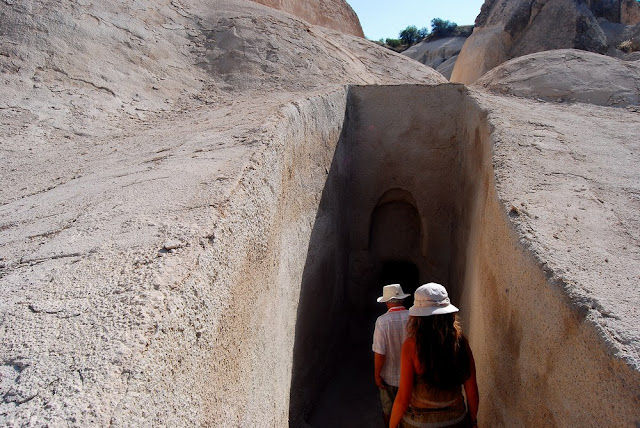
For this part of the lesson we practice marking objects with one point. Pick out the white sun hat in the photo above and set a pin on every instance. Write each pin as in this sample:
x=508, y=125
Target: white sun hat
x=431, y=299
x=393, y=291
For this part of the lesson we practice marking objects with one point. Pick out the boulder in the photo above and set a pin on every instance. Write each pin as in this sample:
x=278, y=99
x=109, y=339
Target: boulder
x=335, y=14
x=485, y=49
x=507, y=30
x=567, y=75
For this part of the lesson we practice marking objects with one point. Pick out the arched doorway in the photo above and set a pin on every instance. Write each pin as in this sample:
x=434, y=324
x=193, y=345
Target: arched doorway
x=396, y=242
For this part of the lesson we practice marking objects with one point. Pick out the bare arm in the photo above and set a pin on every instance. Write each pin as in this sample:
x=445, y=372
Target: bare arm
x=378, y=363
x=471, y=388
x=403, y=398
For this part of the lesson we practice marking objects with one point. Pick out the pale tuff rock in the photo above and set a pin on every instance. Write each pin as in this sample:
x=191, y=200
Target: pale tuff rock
x=334, y=14
x=167, y=174
x=506, y=30
x=137, y=181
x=567, y=75
x=438, y=54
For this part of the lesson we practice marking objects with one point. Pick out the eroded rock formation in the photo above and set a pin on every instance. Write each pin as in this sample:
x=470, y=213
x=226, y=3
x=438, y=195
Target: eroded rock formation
x=567, y=75
x=335, y=14
x=617, y=11
x=506, y=30
x=439, y=54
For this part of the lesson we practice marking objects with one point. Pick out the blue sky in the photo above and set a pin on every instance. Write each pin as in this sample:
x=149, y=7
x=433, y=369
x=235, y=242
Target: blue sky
x=382, y=19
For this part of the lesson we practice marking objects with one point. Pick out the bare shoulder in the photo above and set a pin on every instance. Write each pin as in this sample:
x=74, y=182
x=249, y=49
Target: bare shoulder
x=410, y=354
x=409, y=344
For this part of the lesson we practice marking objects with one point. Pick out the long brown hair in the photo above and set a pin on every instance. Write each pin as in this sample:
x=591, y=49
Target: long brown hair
x=441, y=348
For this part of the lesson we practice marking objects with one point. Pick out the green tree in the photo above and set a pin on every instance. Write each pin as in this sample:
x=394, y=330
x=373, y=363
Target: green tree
x=442, y=28
x=394, y=43
x=409, y=35
x=424, y=32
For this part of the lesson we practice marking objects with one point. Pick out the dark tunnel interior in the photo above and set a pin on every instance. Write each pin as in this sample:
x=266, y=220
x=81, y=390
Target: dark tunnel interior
x=400, y=272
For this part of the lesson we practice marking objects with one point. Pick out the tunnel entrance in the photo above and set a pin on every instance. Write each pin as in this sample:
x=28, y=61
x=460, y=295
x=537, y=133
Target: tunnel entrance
x=394, y=210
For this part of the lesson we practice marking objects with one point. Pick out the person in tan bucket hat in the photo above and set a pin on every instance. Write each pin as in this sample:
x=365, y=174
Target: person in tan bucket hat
x=436, y=363
x=388, y=336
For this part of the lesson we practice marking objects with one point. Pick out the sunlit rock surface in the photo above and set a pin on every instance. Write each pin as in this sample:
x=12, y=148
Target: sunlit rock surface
x=169, y=208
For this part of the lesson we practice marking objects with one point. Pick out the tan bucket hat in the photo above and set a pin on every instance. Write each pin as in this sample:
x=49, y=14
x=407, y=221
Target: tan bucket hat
x=393, y=291
x=431, y=299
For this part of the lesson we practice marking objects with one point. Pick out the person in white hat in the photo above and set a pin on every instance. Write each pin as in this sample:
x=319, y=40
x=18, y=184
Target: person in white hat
x=388, y=336
x=436, y=363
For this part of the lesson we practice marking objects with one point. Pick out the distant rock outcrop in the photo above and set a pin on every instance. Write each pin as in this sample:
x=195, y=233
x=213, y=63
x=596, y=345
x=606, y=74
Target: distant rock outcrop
x=567, y=75
x=439, y=54
x=334, y=14
x=630, y=12
x=506, y=30
x=619, y=11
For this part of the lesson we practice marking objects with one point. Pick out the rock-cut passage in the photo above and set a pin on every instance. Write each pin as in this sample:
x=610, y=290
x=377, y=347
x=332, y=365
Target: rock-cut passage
x=396, y=207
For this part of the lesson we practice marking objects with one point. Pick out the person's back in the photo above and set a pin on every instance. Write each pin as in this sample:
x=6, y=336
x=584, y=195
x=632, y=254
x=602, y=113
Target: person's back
x=389, y=335
x=437, y=363
x=430, y=404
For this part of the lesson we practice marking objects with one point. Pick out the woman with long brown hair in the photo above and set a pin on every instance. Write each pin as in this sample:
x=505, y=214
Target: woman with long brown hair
x=436, y=363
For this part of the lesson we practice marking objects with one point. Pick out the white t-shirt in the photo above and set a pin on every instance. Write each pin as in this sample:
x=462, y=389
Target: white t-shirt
x=388, y=337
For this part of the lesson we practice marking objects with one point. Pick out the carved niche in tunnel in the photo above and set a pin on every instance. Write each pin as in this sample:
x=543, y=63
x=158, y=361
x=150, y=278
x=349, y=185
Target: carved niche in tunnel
x=396, y=239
